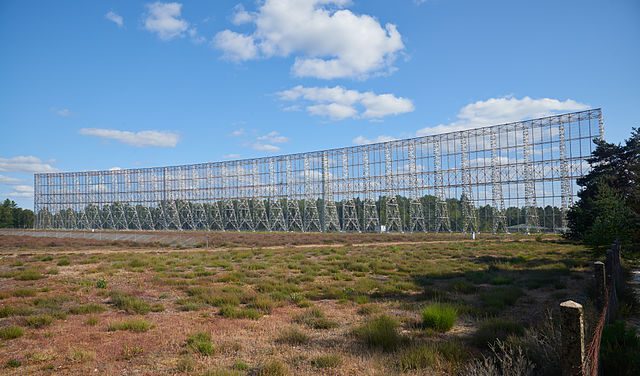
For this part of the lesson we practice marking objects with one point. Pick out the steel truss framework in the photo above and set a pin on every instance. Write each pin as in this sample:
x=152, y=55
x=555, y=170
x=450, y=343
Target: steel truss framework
x=510, y=177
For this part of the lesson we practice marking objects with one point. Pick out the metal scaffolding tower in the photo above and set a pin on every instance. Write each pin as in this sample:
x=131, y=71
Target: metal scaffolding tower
x=394, y=222
x=443, y=223
x=497, y=199
x=523, y=175
x=371, y=222
x=350, y=221
x=469, y=213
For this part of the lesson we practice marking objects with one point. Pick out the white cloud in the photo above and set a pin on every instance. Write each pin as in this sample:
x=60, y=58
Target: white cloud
x=139, y=139
x=27, y=163
x=265, y=147
x=115, y=18
x=164, y=19
x=241, y=16
x=115, y=168
x=496, y=111
x=21, y=191
x=327, y=40
x=339, y=103
x=238, y=132
x=361, y=140
x=8, y=180
x=236, y=47
x=64, y=112
x=274, y=138
x=195, y=36
x=231, y=156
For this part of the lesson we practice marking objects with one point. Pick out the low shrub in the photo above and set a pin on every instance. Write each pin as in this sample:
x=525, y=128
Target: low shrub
x=24, y=293
x=272, y=368
x=101, y=284
x=64, y=262
x=7, y=311
x=91, y=321
x=498, y=298
x=417, y=357
x=620, y=350
x=130, y=352
x=186, y=364
x=13, y=363
x=239, y=313
x=201, y=343
x=28, y=275
x=382, y=333
x=11, y=332
x=133, y=325
x=440, y=317
x=78, y=355
x=293, y=336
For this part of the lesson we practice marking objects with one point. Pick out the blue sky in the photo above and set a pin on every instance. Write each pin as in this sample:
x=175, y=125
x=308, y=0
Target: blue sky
x=124, y=84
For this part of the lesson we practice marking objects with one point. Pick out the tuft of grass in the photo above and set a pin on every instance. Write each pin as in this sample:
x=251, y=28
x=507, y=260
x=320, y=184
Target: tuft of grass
x=501, y=280
x=11, y=332
x=91, y=321
x=38, y=321
x=368, y=309
x=24, y=293
x=239, y=313
x=78, y=355
x=28, y=275
x=133, y=325
x=263, y=304
x=417, y=357
x=201, y=343
x=7, y=311
x=129, y=352
x=84, y=309
x=316, y=319
x=186, y=364
x=293, y=336
x=272, y=368
x=326, y=361
x=382, y=333
x=439, y=316
x=64, y=262
x=13, y=363
x=130, y=304
x=493, y=329
x=240, y=365
x=463, y=287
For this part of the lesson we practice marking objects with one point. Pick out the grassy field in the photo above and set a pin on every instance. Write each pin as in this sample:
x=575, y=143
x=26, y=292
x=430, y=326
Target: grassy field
x=427, y=307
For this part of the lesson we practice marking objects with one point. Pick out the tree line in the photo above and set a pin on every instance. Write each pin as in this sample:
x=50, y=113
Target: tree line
x=11, y=216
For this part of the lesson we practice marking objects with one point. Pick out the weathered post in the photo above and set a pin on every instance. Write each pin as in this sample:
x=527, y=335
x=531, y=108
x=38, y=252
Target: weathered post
x=600, y=279
x=573, y=343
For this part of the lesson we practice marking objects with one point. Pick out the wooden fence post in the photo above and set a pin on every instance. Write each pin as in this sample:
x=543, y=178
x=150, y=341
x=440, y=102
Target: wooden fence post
x=573, y=342
x=600, y=279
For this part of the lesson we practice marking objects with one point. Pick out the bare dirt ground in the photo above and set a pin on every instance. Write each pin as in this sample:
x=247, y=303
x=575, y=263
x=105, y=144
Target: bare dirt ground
x=66, y=296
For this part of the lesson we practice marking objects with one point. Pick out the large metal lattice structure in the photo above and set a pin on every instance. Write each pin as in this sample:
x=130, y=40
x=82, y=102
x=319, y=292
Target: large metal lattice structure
x=511, y=177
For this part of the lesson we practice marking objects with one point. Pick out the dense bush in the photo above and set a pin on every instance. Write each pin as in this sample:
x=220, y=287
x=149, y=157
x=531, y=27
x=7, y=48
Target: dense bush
x=440, y=317
x=381, y=333
x=620, y=350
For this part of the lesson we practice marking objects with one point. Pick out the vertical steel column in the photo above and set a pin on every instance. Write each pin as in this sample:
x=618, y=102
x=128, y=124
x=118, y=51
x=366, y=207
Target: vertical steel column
x=469, y=213
x=260, y=219
x=231, y=222
x=416, y=212
x=294, y=218
x=276, y=214
x=394, y=222
x=443, y=223
x=349, y=211
x=497, y=199
x=370, y=212
x=531, y=208
x=311, y=218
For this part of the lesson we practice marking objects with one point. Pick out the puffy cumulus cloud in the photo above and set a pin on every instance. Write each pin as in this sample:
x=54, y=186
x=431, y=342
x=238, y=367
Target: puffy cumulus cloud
x=361, y=140
x=26, y=163
x=115, y=18
x=139, y=139
x=339, y=103
x=165, y=20
x=503, y=110
x=267, y=142
x=327, y=40
x=236, y=47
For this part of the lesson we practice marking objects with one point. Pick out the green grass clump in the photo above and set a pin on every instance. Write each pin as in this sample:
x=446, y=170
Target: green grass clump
x=619, y=350
x=272, y=368
x=201, y=343
x=24, y=293
x=326, y=361
x=64, y=262
x=28, y=275
x=240, y=365
x=316, y=319
x=129, y=303
x=463, y=287
x=498, y=298
x=11, y=332
x=417, y=357
x=38, y=321
x=381, y=333
x=79, y=355
x=130, y=352
x=263, y=304
x=239, y=313
x=186, y=364
x=368, y=309
x=501, y=280
x=493, y=329
x=86, y=309
x=133, y=325
x=439, y=316
x=91, y=321
x=7, y=311
x=293, y=336
x=101, y=284
x=13, y=363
